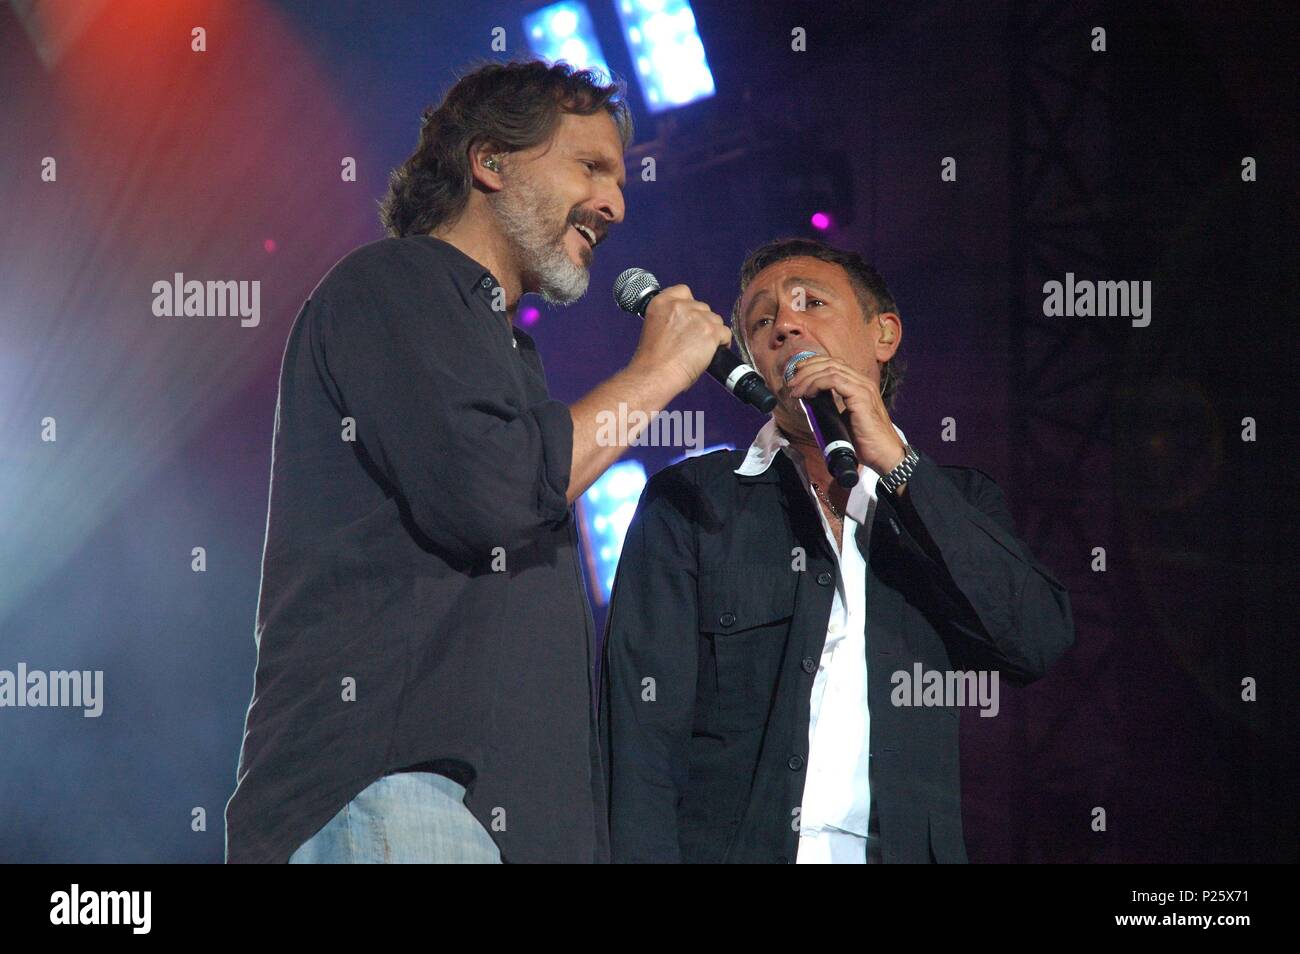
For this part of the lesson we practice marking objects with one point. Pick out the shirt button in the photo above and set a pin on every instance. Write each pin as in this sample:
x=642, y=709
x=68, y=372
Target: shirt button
x=485, y=281
x=727, y=619
x=809, y=664
x=782, y=860
x=795, y=763
x=824, y=578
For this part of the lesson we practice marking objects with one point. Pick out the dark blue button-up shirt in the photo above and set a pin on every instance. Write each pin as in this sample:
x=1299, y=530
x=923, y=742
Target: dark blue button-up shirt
x=422, y=601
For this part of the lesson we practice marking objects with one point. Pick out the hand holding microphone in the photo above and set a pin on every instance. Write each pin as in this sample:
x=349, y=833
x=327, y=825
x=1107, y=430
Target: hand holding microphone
x=828, y=428
x=864, y=424
x=685, y=337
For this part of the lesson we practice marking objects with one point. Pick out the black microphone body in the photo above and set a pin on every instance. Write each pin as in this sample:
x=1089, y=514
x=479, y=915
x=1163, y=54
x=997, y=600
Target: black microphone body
x=635, y=288
x=828, y=427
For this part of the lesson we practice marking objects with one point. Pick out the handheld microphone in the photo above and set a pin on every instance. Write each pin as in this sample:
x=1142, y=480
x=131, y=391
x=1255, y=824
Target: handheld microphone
x=828, y=427
x=635, y=288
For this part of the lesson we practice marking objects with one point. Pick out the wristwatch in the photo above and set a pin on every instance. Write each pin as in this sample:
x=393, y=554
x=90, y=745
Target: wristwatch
x=900, y=474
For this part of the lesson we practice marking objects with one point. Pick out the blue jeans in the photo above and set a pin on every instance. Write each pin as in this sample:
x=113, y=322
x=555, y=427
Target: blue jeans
x=403, y=818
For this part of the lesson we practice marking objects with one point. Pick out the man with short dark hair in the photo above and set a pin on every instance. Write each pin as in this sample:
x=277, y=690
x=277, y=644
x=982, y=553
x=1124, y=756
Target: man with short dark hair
x=423, y=687
x=762, y=614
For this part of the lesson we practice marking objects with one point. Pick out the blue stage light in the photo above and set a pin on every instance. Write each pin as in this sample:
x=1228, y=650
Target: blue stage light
x=605, y=511
x=564, y=31
x=669, y=55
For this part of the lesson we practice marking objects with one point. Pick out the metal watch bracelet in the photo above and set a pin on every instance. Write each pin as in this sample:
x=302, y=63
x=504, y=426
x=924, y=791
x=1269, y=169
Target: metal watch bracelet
x=900, y=474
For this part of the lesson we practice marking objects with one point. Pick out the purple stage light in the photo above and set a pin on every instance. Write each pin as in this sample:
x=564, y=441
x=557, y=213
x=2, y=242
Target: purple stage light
x=820, y=221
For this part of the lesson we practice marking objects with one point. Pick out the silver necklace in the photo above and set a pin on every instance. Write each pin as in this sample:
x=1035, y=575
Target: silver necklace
x=835, y=511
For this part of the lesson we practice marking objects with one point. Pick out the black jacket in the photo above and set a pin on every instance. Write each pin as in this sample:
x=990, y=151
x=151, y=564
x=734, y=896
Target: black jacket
x=714, y=634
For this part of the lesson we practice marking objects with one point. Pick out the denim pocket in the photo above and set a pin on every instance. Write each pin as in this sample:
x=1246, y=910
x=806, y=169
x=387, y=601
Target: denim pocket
x=745, y=613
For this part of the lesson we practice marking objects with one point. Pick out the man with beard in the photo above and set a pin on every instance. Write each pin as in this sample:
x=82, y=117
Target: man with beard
x=425, y=646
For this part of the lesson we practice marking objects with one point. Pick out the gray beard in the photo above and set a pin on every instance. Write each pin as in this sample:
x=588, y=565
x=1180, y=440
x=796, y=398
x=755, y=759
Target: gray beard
x=544, y=263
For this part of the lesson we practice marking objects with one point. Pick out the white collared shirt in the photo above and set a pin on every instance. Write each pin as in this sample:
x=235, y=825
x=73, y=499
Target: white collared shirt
x=836, y=810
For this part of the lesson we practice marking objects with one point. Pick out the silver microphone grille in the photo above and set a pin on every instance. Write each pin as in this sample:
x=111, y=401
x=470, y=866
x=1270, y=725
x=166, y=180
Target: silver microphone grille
x=794, y=362
x=631, y=287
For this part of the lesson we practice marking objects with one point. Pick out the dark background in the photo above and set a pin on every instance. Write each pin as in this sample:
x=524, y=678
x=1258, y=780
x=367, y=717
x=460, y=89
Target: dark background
x=1122, y=165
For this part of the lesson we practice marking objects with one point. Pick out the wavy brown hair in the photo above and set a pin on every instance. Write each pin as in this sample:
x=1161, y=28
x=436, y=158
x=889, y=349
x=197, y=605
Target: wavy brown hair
x=872, y=294
x=513, y=106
